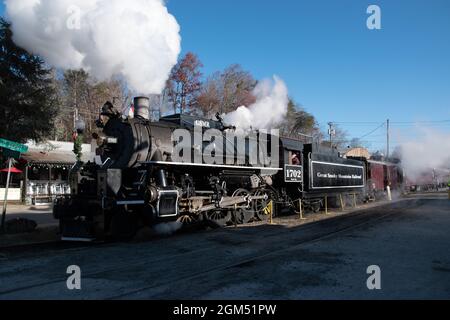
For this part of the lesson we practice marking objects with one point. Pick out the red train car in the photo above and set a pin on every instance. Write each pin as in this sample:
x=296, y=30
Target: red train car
x=380, y=175
x=375, y=176
x=394, y=177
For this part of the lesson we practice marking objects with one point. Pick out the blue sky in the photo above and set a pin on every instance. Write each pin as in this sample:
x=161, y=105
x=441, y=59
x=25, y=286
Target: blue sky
x=333, y=65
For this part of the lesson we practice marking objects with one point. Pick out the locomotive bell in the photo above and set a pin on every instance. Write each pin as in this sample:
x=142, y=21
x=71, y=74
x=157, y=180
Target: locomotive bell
x=142, y=108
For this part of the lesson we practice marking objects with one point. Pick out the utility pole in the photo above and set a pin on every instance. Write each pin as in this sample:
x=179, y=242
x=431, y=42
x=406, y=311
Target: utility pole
x=5, y=203
x=388, y=140
x=75, y=118
x=330, y=132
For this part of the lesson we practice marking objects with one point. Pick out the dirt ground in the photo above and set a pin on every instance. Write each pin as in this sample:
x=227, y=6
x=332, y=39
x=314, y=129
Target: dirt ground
x=47, y=226
x=41, y=214
x=327, y=259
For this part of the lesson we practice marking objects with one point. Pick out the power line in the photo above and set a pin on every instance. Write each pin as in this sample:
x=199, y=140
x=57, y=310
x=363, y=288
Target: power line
x=423, y=125
x=373, y=131
x=420, y=122
x=355, y=122
x=369, y=123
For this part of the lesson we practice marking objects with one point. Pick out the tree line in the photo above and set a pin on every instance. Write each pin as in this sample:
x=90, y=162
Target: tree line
x=40, y=103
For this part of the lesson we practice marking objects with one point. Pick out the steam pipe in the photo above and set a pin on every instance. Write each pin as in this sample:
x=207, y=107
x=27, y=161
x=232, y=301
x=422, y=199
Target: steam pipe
x=161, y=178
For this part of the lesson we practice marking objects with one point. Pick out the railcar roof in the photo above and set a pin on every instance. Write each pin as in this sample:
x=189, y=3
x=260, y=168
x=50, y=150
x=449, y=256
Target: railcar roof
x=383, y=163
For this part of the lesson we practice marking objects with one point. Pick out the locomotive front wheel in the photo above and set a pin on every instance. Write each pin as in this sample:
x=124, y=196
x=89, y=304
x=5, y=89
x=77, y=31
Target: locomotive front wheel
x=188, y=219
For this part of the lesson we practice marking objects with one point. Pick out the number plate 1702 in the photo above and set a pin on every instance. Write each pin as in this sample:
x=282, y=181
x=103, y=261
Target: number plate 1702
x=293, y=174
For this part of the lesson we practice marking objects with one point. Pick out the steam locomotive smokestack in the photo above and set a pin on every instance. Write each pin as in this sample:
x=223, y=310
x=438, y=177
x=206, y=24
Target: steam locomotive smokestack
x=142, y=108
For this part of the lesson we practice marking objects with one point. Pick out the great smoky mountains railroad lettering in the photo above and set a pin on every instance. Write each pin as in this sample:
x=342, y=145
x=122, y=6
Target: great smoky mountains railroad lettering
x=329, y=175
x=338, y=176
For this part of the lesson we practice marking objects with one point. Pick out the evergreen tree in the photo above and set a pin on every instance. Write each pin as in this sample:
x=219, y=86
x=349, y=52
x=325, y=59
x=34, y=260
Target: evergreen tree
x=298, y=123
x=28, y=100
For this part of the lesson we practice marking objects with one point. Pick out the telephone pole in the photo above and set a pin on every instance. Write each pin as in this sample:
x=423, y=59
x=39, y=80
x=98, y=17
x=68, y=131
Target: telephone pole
x=388, y=139
x=75, y=118
x=330, y=132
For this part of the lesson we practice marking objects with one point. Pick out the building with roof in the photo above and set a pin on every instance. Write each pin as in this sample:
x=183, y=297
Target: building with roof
x=45, y=172
x=362, y=153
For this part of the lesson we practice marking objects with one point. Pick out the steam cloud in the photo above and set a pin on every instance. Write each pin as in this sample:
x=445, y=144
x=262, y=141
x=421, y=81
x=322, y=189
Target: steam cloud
x=167, y=229
x=136, y=39
x=431, y=151
x=269, y=109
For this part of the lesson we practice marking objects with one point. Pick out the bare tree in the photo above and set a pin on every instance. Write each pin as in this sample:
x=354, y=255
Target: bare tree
x=184, y=84
x=225, y=91
x=357, y=143
x=82, y=96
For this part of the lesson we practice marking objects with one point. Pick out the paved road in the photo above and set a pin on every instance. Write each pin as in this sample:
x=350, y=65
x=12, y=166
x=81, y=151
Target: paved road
x=41, y=215
x=408, y=240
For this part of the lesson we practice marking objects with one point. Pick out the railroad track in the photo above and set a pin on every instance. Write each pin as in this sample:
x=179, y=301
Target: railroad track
x=255, y=258
x=41, y=247
x=328, y=227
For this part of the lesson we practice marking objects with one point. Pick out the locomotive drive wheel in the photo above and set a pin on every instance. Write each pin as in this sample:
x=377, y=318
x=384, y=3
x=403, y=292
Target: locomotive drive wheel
x=260, y=206
x=243, y=215
x=218, y=218
x=316, y=207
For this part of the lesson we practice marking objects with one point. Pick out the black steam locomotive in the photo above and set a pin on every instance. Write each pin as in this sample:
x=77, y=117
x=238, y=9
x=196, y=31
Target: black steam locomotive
x=142, y=177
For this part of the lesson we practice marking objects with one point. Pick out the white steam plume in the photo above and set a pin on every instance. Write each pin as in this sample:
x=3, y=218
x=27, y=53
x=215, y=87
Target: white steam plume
x=167, y=229
x=430, y=151
x=136, y=39
x=269, y=109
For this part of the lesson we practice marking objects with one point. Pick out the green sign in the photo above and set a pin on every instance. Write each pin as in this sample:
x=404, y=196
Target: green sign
x=13, y=146
x=11, y=154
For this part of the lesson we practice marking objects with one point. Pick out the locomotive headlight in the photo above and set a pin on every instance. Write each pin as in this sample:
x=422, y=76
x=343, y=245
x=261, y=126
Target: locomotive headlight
x=80, y=126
